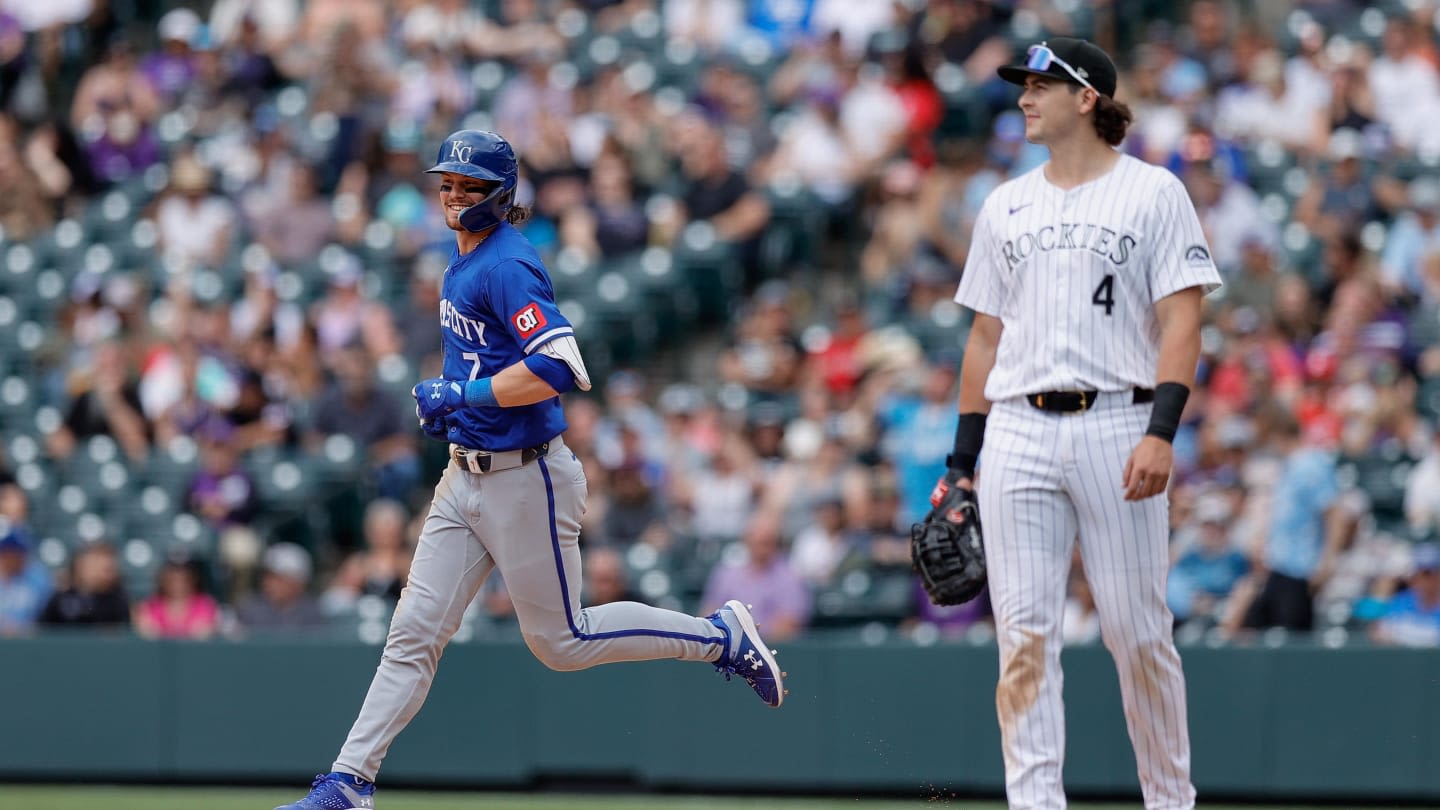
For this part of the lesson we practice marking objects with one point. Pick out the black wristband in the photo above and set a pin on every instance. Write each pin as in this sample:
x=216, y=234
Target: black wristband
x=969, y=435
x=1169, y=404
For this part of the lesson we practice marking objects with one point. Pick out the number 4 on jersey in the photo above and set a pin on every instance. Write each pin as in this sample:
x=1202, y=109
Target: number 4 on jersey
x=1105, y=293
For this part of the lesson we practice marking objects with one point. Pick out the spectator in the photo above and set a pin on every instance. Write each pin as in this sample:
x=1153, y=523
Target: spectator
x=179, y=608
x=814, y=151
x=172, y=67
x=94, y=596
x=715, y=193
x=759, y=575
x=222, y=492
x=195, y=225
x=1412, y=617
x=107, y=403
x=614, y=223
x=606, y=580
x=245, y=64
x=1308, y=528
x=1405, y=84
x=25, y=209
x=345, y=315
x=821, y=548
x=260, y=417
x=711, y=25
x=24, y=583
x=283, y=604
x=114, y=111
x=635, y=513
x=765, y=356
x=381, y=568
x=910, y=78
x=1422, y=493
x=381, y=427
x=884, y=537
x=1342, y=200
x=1349, y=108
x=812, y=476
x=415, y=322
x=911, y=421
x=1415, y=233
x=1229, y=210
x=1206, y=572
x=274, y=20
x=720, y=497
x=294, y=228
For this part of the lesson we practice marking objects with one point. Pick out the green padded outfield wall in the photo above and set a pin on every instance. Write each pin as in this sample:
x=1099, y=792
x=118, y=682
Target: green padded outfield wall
x=1294, y=722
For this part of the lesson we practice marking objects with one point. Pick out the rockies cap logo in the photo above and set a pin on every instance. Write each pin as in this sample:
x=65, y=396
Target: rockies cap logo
x=460, y=151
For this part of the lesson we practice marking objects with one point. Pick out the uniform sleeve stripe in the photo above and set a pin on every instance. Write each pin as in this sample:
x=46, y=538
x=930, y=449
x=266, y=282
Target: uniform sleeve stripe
x=546, y=337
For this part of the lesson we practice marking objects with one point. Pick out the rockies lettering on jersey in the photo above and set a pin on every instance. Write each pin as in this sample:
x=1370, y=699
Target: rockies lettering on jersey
x=1074, y=274
x=1094, y=238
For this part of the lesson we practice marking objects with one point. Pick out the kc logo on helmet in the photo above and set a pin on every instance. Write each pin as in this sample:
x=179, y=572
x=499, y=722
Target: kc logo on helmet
x=528, y=320
x=461, y=151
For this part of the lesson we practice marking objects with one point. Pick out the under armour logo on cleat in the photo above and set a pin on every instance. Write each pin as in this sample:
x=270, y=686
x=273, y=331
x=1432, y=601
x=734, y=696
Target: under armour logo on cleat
x=755, y=663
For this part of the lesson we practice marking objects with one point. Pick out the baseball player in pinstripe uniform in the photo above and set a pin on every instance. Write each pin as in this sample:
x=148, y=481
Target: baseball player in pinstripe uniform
x=1086, y=276
x=513, y=495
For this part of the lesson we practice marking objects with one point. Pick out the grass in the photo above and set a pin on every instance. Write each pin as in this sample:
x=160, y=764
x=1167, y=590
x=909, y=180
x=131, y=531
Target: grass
x=28, y=797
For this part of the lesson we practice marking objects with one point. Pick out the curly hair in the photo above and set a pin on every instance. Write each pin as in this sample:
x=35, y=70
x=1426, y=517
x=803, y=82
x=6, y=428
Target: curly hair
x=1112, y=118
x=518, y=214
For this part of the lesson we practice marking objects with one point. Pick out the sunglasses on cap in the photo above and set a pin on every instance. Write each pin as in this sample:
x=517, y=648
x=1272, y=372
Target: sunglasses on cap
x=1040, y=58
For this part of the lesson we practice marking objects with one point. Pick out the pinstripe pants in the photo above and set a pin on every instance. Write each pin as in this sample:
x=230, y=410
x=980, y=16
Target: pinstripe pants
x=1044, y=479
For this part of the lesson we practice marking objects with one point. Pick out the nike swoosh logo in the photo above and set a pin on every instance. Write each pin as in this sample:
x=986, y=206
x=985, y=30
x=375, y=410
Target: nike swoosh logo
x=1018, y=207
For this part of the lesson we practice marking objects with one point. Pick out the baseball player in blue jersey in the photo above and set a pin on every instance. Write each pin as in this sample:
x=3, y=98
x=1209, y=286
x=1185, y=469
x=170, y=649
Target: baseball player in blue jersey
x=512, y=495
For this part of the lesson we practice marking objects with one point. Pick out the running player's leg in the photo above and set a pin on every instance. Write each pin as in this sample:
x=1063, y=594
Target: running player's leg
x=529, y=517
x=1029, y=529
x=1125, y=549
x=449, y=566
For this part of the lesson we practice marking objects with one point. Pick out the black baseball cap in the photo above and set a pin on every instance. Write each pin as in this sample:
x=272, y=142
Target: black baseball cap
x=1050, y=58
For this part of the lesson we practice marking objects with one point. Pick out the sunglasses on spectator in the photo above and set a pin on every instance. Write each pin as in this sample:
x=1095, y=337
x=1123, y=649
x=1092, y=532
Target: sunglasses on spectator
x=1040, y=57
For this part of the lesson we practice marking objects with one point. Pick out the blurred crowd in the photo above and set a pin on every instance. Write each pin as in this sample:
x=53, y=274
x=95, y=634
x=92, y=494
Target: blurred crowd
x=221, y=267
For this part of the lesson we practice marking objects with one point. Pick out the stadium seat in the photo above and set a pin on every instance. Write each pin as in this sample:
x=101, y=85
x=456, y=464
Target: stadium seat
x=172, y=467
x=20, y=264
x=1427, y=398
x=660, y=292
x=710, y=269
x=863, y=596
x=1381, y=475
x=791, y=240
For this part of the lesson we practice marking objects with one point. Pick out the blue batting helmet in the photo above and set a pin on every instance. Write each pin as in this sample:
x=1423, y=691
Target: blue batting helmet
x=483, y=156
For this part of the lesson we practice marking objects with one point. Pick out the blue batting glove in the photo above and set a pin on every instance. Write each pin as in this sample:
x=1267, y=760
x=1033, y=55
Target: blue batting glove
x=438, y=396
x=437, y=428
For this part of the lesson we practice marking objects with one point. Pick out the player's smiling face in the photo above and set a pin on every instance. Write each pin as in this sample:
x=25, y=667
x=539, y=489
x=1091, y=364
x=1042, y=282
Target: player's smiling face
x=1051, y=109
x=458, y=192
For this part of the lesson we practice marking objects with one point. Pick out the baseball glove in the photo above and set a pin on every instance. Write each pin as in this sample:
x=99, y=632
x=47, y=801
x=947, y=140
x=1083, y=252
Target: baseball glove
x=947, y=547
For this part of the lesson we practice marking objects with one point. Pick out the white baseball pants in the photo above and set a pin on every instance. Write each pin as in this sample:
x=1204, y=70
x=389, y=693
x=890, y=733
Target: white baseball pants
x=1044, y=479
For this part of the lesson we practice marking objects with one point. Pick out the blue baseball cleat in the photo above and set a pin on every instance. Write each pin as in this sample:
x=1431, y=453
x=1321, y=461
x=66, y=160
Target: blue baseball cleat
x=336, y=791
x=747, y=655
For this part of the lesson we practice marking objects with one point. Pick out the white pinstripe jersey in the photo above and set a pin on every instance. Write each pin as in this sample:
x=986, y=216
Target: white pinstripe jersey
x=1074, y=275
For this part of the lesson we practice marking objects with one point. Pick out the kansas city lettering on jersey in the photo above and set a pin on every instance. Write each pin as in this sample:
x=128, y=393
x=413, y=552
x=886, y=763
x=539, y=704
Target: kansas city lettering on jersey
x=1097, y=239
x=467, y=328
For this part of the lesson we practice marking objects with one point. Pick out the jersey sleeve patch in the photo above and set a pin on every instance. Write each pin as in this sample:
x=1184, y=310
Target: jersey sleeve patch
x=528, y=320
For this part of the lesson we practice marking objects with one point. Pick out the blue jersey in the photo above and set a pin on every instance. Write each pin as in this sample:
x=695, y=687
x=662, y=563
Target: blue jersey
x=496, y=308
